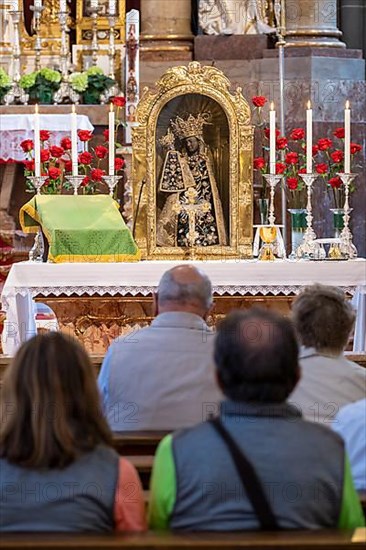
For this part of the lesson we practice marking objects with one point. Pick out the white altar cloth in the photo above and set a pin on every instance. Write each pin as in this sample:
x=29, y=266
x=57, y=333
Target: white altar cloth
x=27, y=280
x=16, y=128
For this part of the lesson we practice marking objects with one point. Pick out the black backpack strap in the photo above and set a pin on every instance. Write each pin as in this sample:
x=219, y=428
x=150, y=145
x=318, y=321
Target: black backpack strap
x=249, y=479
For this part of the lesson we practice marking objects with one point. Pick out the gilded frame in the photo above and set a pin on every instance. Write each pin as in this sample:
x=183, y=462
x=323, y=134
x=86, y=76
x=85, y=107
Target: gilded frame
x=211, y=82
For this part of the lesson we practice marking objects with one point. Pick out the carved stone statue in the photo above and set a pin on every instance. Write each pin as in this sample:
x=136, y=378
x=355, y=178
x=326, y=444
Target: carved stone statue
x=192, y=212
x=235, y=16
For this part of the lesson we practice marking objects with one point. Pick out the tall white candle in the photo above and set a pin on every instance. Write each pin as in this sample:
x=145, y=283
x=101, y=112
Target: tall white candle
x=112, y=7
x=347, y=139
x=62, y=6
x=74, y=142
x=37, y=142
x=111, y=141
x=309, y=139
x=272, y=140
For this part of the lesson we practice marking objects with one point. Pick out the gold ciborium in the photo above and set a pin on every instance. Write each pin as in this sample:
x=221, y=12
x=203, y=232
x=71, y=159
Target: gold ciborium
x=268, y=234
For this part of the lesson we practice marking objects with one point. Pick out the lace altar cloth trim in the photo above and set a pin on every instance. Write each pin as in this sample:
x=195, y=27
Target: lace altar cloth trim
x=241, y=290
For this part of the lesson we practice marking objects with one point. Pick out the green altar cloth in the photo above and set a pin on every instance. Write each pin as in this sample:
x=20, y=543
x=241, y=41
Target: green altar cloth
x=80, y=228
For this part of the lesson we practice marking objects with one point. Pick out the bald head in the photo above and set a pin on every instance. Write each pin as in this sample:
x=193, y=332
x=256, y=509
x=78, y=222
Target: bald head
x=185, y=288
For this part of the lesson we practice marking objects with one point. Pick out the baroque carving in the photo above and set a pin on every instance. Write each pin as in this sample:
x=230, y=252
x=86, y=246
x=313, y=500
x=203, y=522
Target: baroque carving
x=219, y=166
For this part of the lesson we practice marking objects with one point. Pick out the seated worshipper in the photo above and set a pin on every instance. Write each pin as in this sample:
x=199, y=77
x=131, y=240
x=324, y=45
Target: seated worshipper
x=259, y=464
x=350, y=423
x=58, y=471
x=324, y=319
x=162, y=376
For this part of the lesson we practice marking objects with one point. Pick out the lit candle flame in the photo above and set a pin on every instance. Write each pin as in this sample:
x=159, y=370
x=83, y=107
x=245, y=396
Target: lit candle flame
x=272, y=106
x=36, y=109
x=73, y=108
x=111, y=107
x=309, y=104
x=347, y=104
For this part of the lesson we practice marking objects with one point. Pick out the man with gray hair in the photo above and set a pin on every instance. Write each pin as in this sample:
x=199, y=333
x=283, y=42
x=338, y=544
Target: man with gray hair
x=324, y=319
x=162, y=376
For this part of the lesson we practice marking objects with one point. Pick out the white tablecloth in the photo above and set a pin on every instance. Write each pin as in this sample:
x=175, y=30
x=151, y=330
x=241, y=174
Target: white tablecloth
x=16, y=128
x=27, y=280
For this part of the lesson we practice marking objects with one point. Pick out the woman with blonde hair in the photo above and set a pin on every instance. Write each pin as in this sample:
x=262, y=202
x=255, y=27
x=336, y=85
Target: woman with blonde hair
x=58, y=471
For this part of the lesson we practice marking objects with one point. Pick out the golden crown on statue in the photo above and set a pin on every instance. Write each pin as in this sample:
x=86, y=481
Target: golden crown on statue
x=192, y=126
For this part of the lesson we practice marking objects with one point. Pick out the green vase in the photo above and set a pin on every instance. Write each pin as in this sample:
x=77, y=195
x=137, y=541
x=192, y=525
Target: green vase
x=298, y=227
x=338, y=221
x=263, y=205
x=46, y=97
x=91, y=97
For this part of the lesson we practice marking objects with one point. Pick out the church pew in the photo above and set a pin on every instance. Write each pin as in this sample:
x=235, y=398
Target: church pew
x=301, y=540
x=137, y=443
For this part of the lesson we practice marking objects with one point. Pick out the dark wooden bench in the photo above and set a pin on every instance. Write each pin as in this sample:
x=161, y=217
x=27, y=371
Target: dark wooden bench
x=323, y=540
x=137, y=443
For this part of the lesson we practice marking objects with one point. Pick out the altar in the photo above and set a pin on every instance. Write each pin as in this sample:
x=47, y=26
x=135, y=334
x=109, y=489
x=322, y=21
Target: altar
x=134, y=283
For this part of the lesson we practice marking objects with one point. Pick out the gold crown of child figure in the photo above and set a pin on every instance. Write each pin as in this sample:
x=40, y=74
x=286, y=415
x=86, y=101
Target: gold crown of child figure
x=192, y=126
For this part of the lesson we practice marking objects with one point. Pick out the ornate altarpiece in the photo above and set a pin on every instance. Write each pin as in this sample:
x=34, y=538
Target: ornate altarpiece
x=186, y=94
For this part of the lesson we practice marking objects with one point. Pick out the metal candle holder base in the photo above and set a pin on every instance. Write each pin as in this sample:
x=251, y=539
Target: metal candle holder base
x=348, y=249
x=310, y=249
x=75, y=181
x=37, y=182
x=111, y=181
x=273, y=180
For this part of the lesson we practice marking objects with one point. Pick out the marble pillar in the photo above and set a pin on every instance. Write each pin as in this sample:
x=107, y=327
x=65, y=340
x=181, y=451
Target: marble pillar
x=166, y=30
x=353, y=23
x=312, y=23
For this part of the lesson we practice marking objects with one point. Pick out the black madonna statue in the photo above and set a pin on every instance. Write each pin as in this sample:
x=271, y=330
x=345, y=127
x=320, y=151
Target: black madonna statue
x=192, y=213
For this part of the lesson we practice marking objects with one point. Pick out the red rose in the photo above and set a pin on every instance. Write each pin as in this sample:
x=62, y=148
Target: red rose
x=259, y=101
x=281, y=143
x=339, y=133
x=321, y=168
x=259, y=163
x=44, y=135
x=302, y=171
x=297, y=133
x=119, y=163
x=56, y=151
x=85, y=158
x=54, y=173
x=96, y=174
x=85, y=181
x=67, y=165
x=106, y=134
x=119, y=101
x=66, y=143
x=101, y=151
x=280, y=167
x=337, y=156
x=45, y=155
x=315, y=150
x=335, y=182
x=292, y=183
x=267, y=132
x=27, y=145
x=29, y=165
x=292, y=158
x=85, y=135
x=324, y=144
x=355, y=148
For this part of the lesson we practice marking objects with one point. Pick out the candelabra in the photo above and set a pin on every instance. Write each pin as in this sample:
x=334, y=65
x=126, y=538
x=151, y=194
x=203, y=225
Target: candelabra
x=65, y=91
x=111, y=181
x=75, y=182
x=113, y=91
x=37, y=182
x=94, y=10
x=16, y=92
x=37, y=11
x=272, y=180
x=310, y=248
x=348, y=249
x=268, y=233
